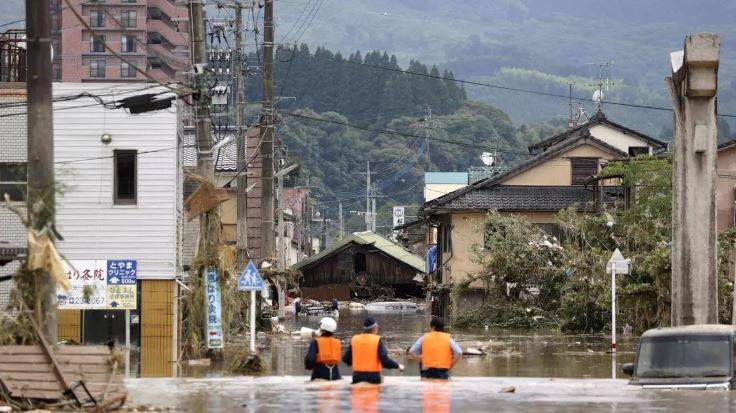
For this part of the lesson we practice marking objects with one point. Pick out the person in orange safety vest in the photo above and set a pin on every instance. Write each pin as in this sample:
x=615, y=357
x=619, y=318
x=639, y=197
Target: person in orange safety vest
x=437, y=351
x=367, y=354
x=323, y=355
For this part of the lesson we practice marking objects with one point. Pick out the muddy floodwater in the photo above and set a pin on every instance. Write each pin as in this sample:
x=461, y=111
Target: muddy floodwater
x=548, y=371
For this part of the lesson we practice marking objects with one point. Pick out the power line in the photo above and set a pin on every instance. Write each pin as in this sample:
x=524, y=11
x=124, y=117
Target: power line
x=501, y=87
x=137, y=153
x=59, y=10
x=396, y=133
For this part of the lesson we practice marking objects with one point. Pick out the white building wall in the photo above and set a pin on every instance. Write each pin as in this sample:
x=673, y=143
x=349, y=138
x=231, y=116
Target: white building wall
x=92, y=226
x=617, y=138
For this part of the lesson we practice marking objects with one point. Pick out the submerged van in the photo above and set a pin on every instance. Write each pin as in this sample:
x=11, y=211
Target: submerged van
x=688, y=357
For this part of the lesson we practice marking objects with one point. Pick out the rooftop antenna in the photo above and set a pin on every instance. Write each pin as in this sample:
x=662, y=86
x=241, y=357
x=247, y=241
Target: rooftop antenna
x=570, y=122
x=598, y=94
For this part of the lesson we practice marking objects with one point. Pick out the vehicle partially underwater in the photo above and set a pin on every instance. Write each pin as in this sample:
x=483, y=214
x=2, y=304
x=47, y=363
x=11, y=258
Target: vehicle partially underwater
x=687, y=357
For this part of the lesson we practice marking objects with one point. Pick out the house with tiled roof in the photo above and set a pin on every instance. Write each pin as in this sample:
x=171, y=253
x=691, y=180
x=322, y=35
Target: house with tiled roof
x=557, y=176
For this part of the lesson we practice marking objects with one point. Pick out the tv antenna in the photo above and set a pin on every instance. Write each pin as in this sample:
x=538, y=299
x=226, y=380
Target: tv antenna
x=577, y=111
x=598, y=95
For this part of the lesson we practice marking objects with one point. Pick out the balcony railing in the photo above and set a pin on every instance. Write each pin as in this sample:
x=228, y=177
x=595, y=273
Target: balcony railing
x=13, y=56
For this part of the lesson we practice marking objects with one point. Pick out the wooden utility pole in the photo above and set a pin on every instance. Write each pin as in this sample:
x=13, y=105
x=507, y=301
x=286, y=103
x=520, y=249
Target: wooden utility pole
x=41, y=197
x=242, y=181
x=692, y=87
x=267, y=133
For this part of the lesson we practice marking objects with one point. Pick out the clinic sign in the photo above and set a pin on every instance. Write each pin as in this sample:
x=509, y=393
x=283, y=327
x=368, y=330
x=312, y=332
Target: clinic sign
x=100, y=285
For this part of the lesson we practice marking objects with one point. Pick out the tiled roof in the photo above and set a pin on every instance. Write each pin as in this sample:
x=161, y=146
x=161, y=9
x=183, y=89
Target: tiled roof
x=224, y=157
x=582, y=137
x=522, y=198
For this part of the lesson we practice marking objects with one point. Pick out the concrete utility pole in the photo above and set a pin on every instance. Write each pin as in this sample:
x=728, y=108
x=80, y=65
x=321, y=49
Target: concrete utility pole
x=373, y=214
x=342, y=221
x=241, y=243
x=367, y=195
x=692, y=88
x=267, y=132
x=41, y=197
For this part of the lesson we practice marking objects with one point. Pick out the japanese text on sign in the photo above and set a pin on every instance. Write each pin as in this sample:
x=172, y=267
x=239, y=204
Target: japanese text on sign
x=100, y=285
x=213, y=311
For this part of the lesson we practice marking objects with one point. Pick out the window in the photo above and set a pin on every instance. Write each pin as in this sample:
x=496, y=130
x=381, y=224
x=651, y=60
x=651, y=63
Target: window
x=125, y=177
x=97, y=18
x=445, y=238
x=13, y=181
x=96, y=44
x=638, y=150
x=127, y=43
x=97, y=68
x=128, y=18
x=127, y=70
x=582, y=169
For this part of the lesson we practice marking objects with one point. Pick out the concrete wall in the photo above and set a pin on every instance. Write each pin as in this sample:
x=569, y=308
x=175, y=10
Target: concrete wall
x=467, y=231
x=432, y=191
x=558, y=170
x=617, y=138
x=726, y=187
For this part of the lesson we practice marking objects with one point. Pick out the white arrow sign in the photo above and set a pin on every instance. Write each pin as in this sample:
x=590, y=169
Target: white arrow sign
x=617, y=263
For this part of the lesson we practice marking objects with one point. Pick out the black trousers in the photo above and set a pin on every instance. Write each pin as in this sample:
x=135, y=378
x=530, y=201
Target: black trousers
x=432, y=373
x=324, y=372
x=365, y=377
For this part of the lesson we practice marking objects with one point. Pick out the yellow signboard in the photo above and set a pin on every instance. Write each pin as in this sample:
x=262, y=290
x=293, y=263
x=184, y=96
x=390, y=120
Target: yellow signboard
x=122, y=297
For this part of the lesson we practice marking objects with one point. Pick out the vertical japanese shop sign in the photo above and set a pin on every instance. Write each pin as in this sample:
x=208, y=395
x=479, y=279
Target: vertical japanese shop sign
x=214, y=311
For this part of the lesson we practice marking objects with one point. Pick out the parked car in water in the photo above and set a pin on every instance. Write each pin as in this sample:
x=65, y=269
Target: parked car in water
x=687, y=357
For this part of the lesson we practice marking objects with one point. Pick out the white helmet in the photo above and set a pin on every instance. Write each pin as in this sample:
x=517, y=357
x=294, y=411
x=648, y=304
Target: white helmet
x=328, y=324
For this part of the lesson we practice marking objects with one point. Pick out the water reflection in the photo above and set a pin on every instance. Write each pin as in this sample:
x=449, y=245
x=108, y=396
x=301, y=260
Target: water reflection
x=364, y=398
x=512, y=353
x=436, y=397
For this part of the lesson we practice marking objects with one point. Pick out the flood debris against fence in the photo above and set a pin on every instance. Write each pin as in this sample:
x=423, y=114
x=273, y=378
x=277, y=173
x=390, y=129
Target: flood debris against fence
x=64, y=376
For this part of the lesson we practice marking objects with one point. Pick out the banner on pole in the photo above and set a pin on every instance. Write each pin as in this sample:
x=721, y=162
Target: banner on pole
x=215, y=337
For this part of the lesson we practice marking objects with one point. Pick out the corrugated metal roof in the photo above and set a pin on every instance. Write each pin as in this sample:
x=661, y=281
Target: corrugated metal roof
x=385, y=245
x=446, y=178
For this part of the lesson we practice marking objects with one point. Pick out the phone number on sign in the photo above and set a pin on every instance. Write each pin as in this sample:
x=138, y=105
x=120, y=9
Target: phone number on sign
x=82, y=301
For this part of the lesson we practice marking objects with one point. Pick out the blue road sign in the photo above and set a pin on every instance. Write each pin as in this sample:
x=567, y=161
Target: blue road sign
x=250, y=279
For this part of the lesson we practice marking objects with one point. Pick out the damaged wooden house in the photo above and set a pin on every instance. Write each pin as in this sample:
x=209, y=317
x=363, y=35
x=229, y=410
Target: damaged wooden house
x=364, y=265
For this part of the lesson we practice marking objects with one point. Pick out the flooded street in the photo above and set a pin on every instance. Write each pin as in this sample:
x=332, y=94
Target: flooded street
x=514, y=353
x=548, y=371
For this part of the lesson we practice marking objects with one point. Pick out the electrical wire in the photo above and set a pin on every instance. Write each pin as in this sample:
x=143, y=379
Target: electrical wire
x=502, y=87
x=115, y=54
x=405, y=135
x=59, y=10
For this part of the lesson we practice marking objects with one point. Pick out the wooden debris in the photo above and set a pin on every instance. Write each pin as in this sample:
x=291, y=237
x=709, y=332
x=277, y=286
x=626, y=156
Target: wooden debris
x=205, y=198
x=80, y=374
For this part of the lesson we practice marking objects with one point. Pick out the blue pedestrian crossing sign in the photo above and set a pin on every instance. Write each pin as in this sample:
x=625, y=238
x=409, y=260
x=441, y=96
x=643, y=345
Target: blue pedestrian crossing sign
x=250, y=279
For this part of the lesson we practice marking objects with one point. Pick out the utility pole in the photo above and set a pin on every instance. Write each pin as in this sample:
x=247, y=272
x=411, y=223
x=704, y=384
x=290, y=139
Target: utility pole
x=367, y=195
x=428, y=124
x=41, y=196
x=241, y=244
x=342, y=221
x=692, y=88
x=267, y=132
x=324, y=230
x=373, y=214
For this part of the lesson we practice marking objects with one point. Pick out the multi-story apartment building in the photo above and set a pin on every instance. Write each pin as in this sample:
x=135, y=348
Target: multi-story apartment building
x=151, y=34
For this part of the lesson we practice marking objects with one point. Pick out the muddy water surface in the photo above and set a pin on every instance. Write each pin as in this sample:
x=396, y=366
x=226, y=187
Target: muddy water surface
x=548, y=371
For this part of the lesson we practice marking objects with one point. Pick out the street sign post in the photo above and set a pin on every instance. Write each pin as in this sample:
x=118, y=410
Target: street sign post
x=617, y=264
x=250, y=280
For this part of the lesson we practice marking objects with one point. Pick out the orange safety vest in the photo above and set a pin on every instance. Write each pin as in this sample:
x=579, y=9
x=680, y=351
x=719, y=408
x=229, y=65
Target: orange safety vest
x=365, y=353
x=436, y=352
x=328, y=350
